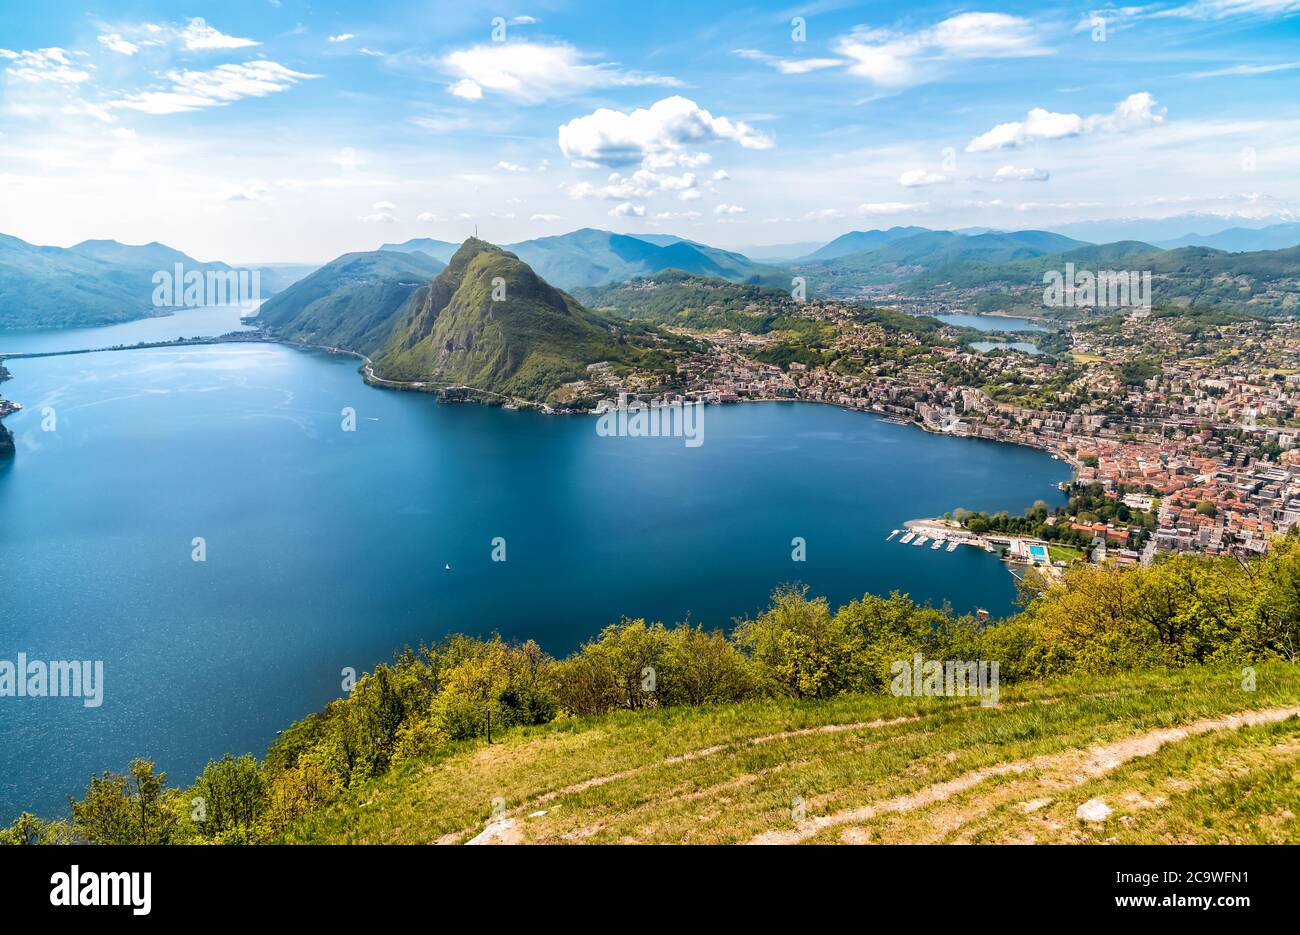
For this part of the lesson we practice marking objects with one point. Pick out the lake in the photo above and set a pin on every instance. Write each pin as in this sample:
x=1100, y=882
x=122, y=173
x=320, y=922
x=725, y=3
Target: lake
x=191, y=323
x=986, y=346
x=327, y=549
x=991, y=322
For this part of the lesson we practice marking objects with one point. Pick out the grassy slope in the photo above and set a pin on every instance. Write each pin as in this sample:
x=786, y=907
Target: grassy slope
x=747, y=764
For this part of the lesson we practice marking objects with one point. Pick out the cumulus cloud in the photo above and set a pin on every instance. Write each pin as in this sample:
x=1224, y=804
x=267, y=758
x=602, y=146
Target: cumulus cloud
x=627, y=209
x=546, y=217
x=728, y=209
x=894, y=59
x=343, y=37
x=533, y=72
x=199, y=36
x=382, y=213
x=115, y=43
x=916, y=178
x=640, y=184
x=193, y=90
x=1134, y=112
x=659, y=135
x=1017, y=174
x=511, y=167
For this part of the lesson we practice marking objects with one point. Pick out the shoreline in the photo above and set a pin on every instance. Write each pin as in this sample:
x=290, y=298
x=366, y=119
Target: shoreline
x=369, y=377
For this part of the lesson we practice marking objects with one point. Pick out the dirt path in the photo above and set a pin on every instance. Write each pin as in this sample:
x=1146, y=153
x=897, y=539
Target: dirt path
x=1078, y=765
x=500, y=834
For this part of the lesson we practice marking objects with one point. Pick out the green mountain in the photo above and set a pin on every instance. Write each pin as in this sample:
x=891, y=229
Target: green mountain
x=857, y=241
x=350, y=302
x=490, y=322
x=904, y=258
x=591, y=257
x=1265, y=281
x=97, y=282
x=676, y=297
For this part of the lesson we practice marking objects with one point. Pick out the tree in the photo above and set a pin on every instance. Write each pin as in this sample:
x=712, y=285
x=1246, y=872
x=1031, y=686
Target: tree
x=125, y=809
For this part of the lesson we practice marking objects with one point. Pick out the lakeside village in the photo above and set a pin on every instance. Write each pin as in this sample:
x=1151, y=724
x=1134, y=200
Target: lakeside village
x=1183, y=437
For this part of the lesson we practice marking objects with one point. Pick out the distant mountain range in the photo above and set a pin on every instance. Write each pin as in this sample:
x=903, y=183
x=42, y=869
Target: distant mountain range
x=1241, y=239
x=1179, y=230
x=96, y=282
x=590, y=257
x=102, y=281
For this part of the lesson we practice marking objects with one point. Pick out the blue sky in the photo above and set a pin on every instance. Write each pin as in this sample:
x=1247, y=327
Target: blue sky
x=265, y=131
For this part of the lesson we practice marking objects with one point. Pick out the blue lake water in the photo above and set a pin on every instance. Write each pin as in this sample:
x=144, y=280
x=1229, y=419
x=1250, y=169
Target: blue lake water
x=985, y=346
x=328, y=548
x=991, y=322
x=188, y=323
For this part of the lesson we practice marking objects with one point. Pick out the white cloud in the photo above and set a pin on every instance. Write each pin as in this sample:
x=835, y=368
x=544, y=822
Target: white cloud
x=192, y=90
x=1015, y=174
x=382, y=213
x=1246, y=70
x=1222, y=9
x=1134, y=112
x=789, y=66
x=53, y=65
x=199, y=36
x=655, y=136
x=916, y=178
x=546, y=217
x=115, y=43
x=725, y=209
x=426, y=216
x=343, y=37
x=511, y=167
x=894, y=59
x=627, y=209
x=891, y=207
x=533, y=72
x=467, y=89
x=825, y=214
x=641, y=184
